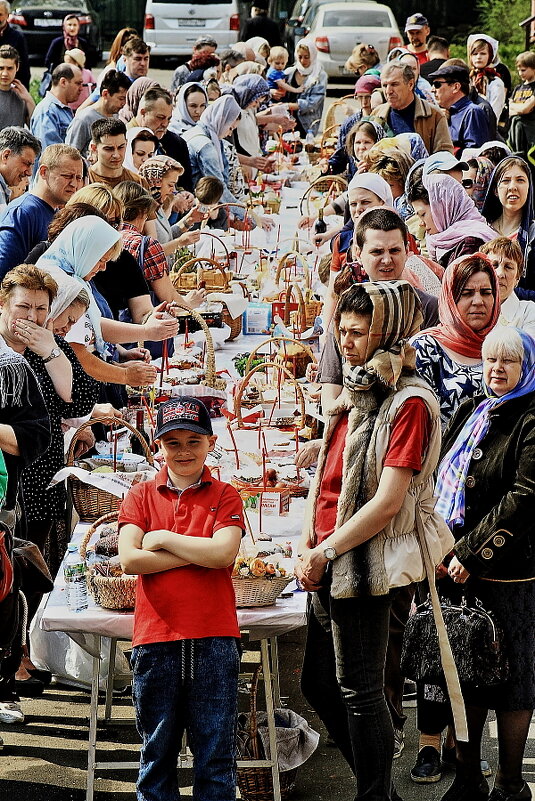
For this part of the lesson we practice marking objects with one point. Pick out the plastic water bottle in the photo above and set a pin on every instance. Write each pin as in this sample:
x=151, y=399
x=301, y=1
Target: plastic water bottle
x=75, y=585
x=309, y=142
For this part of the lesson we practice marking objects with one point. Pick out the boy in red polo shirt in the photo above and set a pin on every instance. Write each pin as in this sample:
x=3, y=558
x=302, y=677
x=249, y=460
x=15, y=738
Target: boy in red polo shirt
x=180, y=533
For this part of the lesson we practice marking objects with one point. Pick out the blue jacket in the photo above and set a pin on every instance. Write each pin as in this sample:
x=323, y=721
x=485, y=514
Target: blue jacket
x=204, y=161
x=468, y=124
x=23, y=223
x=50, y=121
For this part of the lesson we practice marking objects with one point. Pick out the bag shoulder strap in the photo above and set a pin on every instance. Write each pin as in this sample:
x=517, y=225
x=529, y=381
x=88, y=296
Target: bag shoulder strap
x=446, y=655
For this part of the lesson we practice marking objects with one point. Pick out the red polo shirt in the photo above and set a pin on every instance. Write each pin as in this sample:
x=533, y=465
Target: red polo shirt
x=192, y=601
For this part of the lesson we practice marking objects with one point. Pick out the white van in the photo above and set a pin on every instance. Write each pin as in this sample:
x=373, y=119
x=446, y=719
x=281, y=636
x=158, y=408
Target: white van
x=172, y=28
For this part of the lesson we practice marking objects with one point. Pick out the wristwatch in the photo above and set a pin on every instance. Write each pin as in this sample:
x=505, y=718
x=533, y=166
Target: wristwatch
x=330, y=554
x=54, y=353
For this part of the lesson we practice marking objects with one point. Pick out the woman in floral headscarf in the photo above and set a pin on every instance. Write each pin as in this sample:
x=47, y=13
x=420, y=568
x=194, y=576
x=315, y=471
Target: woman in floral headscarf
x=453, y=225
x=379, y=451
x=448, y=356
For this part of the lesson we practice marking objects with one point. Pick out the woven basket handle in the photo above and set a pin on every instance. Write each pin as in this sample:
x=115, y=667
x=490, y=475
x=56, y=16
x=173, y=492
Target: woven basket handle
x=221, y=242
x=277, y=340
x=293, y=254
x=210, y=353
x=108, y=421
x=111, y=516
x=287, y=373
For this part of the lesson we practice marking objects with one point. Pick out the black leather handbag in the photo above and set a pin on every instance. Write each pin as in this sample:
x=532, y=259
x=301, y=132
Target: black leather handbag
x=476, y=643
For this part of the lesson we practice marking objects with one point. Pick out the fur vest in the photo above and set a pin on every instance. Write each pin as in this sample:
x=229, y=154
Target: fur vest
x=392, y=558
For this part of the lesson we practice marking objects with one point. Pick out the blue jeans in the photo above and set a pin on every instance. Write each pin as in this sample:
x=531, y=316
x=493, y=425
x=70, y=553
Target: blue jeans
x=187, y=685
x=343, y=679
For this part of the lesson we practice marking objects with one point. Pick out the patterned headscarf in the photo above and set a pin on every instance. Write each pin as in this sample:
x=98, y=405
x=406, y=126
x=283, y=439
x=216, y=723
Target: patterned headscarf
x=453, y=470
x=133, y=98
x=217, y=118
x=396, y=316
x=153, y=171
x=248, y=88
x=453, y=332
x=484, y=171
x=454, y=214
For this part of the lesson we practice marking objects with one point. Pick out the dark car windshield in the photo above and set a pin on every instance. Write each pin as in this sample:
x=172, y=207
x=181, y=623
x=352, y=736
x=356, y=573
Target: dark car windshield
x=53, y=5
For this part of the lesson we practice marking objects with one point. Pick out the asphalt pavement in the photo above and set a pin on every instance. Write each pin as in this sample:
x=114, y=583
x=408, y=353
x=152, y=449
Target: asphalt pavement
x=45, y=758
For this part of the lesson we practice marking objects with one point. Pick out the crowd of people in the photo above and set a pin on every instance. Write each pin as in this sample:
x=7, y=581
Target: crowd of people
x=426, y=372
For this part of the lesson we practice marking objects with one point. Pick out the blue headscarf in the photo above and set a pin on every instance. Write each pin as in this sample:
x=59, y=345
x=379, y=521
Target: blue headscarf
x=492, y=208
x=453, y=470
x=76, y=251
x=248, y=88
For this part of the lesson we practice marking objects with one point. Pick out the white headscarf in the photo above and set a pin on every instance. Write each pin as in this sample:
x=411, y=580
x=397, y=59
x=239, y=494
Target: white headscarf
x=312, y=72
x=76, y=250
x=68, y=291
x=494, y=44
x=181, y=119
x=373, y=183
x=215, y=121
x=131, y=134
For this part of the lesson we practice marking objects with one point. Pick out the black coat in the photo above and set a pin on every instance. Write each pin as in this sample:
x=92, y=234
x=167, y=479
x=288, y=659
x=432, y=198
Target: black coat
x=497, y=540
x=263, y=26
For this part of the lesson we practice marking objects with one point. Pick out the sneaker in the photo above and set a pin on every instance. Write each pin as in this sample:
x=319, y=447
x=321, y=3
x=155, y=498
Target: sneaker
x=427, y=768
x=461, y=790
x=399, y=742
x=11, y=712
x=498, y=794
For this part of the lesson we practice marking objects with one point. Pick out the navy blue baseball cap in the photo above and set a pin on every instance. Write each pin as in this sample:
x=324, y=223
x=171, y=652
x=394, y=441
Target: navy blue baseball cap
x=185, y=412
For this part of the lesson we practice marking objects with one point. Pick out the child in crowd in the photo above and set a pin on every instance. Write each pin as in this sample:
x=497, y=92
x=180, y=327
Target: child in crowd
x=276, y=77
x=180, y=533
x=522, y=106
x=208, y=193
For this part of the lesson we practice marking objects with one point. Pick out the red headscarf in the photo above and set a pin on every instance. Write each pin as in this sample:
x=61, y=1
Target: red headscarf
x=453, y=332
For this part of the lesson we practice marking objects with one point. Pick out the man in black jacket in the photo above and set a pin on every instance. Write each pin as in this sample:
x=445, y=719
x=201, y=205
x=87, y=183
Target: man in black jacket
x=259, y=24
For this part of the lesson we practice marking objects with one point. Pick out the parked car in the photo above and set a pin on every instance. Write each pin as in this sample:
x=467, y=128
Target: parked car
x=172, y=28
x=293, y=30
x=338, y=27
x=41, y=21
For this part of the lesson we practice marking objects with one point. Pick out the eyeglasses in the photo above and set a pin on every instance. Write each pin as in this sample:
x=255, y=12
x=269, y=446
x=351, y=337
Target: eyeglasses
x=467, y=183
x=438, y=84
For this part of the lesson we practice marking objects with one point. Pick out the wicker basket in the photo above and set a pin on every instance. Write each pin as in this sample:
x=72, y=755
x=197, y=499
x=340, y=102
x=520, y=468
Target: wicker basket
x=235, y=323
x=201, y=271
x=258, y=591
x=285, y=374
x=297, y=363
x=91, y=502
x=210, y=379
x=256, y=784
x=110, y=592
x=226, y=264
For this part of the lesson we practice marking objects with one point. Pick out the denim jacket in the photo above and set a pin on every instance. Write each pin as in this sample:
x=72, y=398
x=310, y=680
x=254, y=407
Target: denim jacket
x=497, y=541
x=204, y=161
x=310, y=101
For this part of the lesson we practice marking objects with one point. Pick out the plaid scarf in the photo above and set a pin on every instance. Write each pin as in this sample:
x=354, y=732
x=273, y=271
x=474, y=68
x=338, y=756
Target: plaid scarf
x=396, y=317
x=454, y=467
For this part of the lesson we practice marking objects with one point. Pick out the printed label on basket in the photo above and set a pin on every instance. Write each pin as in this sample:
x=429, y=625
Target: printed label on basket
x=257, y=318
x=270, y=503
